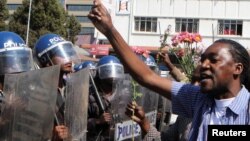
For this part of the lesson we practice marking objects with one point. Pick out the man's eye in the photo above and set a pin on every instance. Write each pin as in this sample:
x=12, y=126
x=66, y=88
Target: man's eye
x=202, y=59
x=213, y=60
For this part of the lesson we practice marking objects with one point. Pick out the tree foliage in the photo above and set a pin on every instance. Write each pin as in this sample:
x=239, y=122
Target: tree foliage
x=47, y=16
x=74, y=28
x=4, y=15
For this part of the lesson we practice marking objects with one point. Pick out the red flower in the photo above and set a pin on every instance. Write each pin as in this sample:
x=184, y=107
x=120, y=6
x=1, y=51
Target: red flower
x=180, y=53
x=140, y=51
x=196, y=37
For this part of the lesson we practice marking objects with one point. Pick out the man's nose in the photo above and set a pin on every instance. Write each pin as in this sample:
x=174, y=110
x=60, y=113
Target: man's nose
x=205, y=64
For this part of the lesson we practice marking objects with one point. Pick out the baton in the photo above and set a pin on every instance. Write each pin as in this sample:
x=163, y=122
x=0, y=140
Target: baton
x=99, y=101
x=57, y=120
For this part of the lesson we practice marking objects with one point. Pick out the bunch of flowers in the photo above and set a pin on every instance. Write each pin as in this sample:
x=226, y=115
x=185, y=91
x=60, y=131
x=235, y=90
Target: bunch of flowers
x=187, y=48
x=140, y=51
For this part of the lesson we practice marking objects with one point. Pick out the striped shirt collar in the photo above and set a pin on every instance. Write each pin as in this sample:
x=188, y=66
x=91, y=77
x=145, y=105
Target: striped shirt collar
x=240, y=100
x=237, y=104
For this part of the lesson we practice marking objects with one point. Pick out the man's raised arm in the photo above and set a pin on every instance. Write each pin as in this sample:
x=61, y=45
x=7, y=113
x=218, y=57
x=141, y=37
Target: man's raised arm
x=139, y=71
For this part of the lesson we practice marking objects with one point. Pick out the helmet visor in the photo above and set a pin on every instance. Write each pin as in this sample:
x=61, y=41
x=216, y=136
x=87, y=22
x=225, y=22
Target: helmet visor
x=15, y=60
x=65, y=51
x=110, y=71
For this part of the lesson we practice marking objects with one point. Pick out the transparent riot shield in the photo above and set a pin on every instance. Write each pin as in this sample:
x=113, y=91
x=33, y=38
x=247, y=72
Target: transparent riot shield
x=150, y=104
x=31, y=99
x=124, y=128
x=76, y=104
x=160, y=121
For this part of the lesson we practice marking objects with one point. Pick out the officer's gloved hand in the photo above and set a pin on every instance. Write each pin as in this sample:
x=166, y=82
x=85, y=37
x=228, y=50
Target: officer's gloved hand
x=62, y=132
x=104, y=119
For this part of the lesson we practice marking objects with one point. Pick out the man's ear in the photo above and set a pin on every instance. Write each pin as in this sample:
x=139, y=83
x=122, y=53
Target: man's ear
x=238, y=68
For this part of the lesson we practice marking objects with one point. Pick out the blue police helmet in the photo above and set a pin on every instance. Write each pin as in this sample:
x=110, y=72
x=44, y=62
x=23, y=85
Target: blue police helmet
x=110, y=67
x=149, y=61
x=15, y=56
x=86, y=64
x=51, y=45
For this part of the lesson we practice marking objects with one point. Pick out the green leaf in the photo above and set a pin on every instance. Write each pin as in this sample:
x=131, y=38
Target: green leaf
x=135, y=94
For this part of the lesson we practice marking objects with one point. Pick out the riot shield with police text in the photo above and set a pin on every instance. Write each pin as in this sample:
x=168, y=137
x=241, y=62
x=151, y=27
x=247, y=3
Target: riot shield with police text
x=76, y=104
x=150, y=104
x=31, y=99
x=124, y=128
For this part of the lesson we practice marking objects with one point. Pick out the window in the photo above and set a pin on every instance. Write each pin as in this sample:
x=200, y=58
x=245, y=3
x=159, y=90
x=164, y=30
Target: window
x=187, y=25
x=62, y=2
x=13, y=6
x=87, y=30
x=79, y=7
x=83, y=19
x=145, y=24
x=230, y=27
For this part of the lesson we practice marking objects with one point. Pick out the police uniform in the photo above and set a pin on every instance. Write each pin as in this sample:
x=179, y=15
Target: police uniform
x=60, y=109
x=97, y=132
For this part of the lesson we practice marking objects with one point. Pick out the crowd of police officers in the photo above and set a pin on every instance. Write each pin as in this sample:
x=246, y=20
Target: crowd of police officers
x=24, y=103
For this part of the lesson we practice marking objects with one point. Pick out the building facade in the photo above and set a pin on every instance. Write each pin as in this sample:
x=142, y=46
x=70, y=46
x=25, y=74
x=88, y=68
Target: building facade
x=141, y=22
x=80, y=9
x=144, y=21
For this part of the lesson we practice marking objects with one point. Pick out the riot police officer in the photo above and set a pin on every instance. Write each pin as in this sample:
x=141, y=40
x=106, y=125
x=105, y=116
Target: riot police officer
x=109, y=69
x=52, y=49
x=15, y=57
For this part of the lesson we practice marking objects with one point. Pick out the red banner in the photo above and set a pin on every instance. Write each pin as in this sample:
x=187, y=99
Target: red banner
x=99, y=50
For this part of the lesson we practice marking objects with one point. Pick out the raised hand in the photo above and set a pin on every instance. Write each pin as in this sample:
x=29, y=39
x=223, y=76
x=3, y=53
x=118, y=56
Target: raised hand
x=100, y=17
